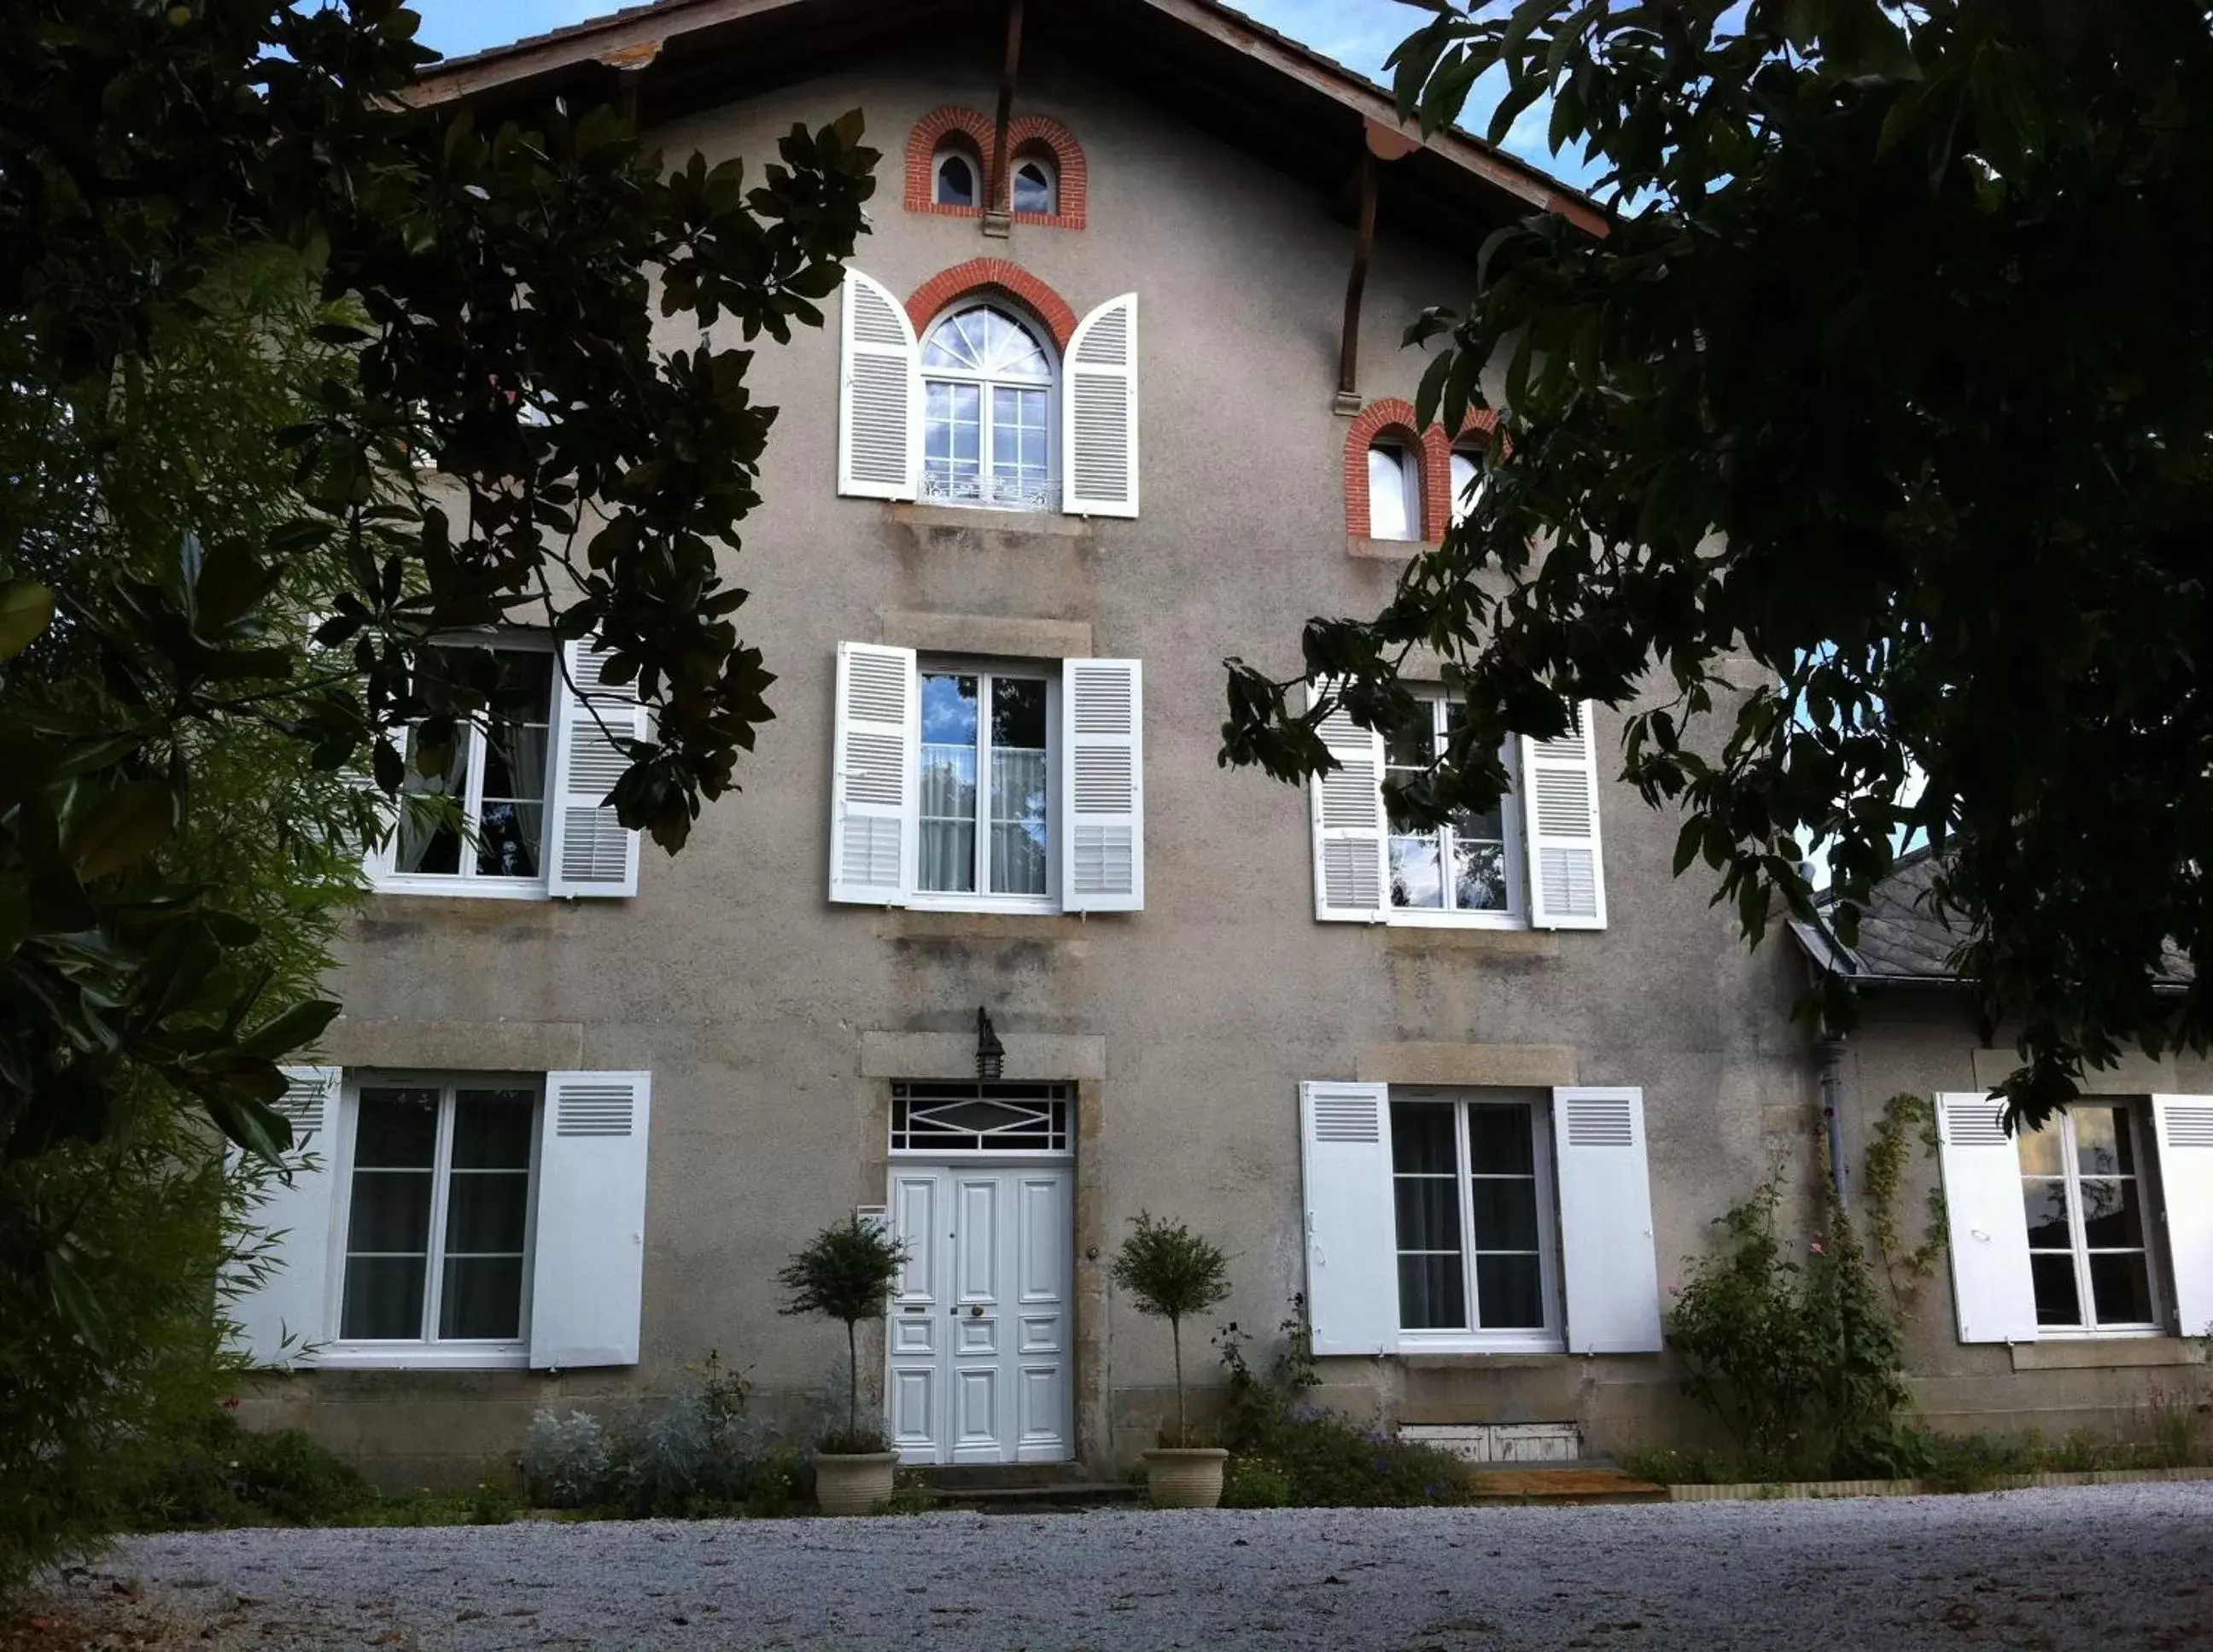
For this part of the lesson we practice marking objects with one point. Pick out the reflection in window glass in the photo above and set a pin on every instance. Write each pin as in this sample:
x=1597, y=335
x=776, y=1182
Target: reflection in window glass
x=1035, y=188
x=956, y=179
x=492, y=821
x=1394, y=493
x=987, y=412
x=1466, y=472
x=2082, y=1202
x=1463, y=866
x=1008, y=818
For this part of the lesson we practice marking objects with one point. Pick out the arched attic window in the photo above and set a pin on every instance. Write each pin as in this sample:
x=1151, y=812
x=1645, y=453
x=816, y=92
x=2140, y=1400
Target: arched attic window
x=1395, y=487
x=956, y=175
x=1036, y=185
x=988, y=381
x=1466, y=475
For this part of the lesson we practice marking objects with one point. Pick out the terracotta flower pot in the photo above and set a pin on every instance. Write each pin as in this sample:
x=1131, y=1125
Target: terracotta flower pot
x=1185, y=1478
x=855, y=1484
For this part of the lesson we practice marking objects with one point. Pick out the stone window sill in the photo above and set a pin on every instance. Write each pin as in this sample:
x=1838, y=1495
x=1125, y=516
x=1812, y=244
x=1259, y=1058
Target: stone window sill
x=2103, y=1353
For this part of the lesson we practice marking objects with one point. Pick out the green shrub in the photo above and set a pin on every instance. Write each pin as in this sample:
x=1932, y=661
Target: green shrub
x=1171, y=1273
x=221, y=1474
x=1253, y=1482
x=846, y=1272
x=1802, y=1363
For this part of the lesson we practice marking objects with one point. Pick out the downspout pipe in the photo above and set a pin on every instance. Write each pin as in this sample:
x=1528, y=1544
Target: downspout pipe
x=1829, y=1067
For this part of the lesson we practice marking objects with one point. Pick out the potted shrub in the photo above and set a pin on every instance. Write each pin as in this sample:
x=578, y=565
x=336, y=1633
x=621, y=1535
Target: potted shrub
x=848, y=1273
x=1171, y=1273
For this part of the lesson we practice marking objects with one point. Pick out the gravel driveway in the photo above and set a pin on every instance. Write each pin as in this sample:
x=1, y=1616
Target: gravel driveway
x=2094, y=1567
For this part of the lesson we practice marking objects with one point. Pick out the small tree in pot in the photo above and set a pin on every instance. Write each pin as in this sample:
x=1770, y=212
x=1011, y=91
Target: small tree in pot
x=848, y=1273
x=1172, y=1273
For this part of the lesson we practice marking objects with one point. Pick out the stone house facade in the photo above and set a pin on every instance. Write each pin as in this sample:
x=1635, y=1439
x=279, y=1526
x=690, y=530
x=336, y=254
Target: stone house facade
x=1067, y=441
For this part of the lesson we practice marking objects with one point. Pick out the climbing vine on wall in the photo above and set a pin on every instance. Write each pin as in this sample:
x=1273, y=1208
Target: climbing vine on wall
x=1906, y=1119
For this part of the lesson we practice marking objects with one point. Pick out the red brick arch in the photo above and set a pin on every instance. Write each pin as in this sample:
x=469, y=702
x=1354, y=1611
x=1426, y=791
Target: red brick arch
x=992, y=275
x=1394, y=417
x=1026, y=135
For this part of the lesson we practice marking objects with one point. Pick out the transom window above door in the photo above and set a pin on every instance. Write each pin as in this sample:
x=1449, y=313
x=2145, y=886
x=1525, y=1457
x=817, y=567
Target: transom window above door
x=988, y=411
x=986, y=1117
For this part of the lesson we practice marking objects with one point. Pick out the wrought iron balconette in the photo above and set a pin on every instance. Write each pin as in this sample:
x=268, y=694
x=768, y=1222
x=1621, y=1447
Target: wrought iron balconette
x=992, y=492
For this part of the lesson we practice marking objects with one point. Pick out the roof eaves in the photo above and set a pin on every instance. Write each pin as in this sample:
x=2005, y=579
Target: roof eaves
x=625, y=35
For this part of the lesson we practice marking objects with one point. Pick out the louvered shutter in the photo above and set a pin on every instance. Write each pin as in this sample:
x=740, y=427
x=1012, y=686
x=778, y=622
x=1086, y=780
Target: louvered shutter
x=1102, y=856
x=1099, y=413
x=878, y=395
x=1609, y=1269
x=874, y=775
x=588, y=852
x=1992, y=1291
x=1352, y=1238
x=2184, y=1128
x=587, y=1276
x=288, y=1311
x=1350, y=829
x=1559, y=791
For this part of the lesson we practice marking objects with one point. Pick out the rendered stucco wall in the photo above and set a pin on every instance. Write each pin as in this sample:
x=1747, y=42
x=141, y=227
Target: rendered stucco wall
x=752, y=1000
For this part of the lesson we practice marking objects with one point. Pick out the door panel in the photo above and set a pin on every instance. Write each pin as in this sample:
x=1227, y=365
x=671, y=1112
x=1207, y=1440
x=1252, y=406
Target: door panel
x=979, y=1342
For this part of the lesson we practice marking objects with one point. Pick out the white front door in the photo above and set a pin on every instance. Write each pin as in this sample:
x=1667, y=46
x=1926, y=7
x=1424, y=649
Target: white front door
x=978, y=1333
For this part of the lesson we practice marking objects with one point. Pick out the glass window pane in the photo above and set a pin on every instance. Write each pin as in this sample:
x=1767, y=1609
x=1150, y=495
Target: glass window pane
x=1422, y=1140
x=485, y=1212
x=949, y=725
x=2040, y=1149
x=956, y=181
x=2120, y=1286
x=1479, y=875
x=391, y=1211
x=2045, y=1201
x=1018, y=712
x=2102, y=1142
x=493, y=1129
x=1431, y=1297
x=482, y=1298
x=1412, y=749
x=1464, y=470
x=2053, y=1276
x=1505, y=1213
x=397, y=1129
x=1417, y=875
x=1500, y=1141
x=1428, y=1212
x=1033, y=190
x=507, y=837
x=383, y=1298
x=1509, y=1293
x=2111, y=1217
x=1390, y=510
x=947, y=851
x=429, y=837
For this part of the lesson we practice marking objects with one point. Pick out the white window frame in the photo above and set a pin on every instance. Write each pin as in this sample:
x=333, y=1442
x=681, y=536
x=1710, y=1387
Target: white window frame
x=1051, y=175
x=1405, y=458
x=1551, y=1338
x=429, y=1351
x=987, y=470
x=937, y=161
x=2078, y=1242
x=466, y=883
x=1515, y=914
x=979, y=900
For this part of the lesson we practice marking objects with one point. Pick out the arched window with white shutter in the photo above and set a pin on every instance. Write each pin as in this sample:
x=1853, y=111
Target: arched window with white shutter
x=988, y=384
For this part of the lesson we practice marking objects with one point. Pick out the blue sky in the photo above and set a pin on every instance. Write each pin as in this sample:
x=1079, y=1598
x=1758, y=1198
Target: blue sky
x=1358, y=33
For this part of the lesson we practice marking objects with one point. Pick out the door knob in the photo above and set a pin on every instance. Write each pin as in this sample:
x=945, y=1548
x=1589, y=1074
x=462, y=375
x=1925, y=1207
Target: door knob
x=975, y=1310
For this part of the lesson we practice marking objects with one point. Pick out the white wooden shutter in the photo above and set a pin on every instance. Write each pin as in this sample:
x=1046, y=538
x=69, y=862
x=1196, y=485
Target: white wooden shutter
x=586, y=1278
x=1559, y=794
x=1102, y=852
x=588, y=852
x=1609, y=1270
x=878, y=395
x=1349, y=830
x=874, y=775
x=280, y=1320
x=1352, y=1242
x=1099, y=413
x=1991, y=1290
x=2185, y=1127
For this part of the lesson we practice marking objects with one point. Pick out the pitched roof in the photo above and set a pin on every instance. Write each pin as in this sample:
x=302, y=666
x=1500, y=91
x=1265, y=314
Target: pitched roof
x=1905, y=940
x=1278, y=95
